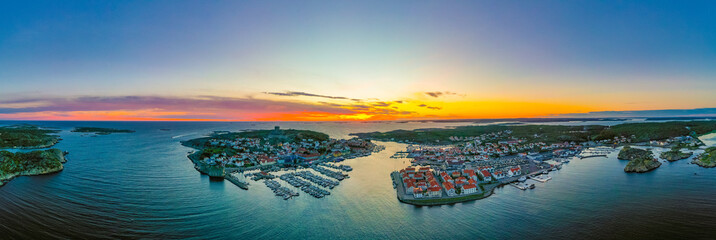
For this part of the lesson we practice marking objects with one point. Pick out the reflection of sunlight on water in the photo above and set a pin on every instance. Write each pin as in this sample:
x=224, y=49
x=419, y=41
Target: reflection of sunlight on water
x=709, y=139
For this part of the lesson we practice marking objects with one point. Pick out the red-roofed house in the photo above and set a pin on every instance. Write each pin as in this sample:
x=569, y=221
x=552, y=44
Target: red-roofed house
x=435, y=191
x=486, y=175
x=469, y=188
x=514, y=171
x=449, y=189
x=417, y=193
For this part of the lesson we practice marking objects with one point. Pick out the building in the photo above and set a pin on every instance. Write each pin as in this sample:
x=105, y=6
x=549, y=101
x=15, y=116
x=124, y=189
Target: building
x=449, y=189
x=515, y=171
x=469, y=189
x=435, y=191
x=486, y=175
x=417, y=193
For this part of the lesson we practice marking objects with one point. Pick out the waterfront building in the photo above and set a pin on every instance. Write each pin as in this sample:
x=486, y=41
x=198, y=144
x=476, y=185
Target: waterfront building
x=469, y=189
x=434, y=191
x=417, y=193
x=449, y=189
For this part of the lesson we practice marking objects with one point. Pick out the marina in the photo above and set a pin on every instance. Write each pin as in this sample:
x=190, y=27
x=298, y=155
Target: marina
x=280, y=190
x=334, y=174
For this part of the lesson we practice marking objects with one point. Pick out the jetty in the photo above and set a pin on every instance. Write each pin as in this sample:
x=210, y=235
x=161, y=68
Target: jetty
x=523, y=186
x=595, y=152
x=233, y=179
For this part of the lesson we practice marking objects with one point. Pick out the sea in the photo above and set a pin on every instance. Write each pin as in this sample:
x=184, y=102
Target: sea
x=142, y=185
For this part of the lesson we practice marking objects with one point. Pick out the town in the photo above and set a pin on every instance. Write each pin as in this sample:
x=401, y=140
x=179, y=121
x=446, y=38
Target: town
x=257, y=154
x=474, y=166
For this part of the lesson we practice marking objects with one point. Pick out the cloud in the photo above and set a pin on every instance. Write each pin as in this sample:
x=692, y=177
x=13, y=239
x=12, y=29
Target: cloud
x=198, y=107
x=438, y=94
x=430, y=107
x=305, y=94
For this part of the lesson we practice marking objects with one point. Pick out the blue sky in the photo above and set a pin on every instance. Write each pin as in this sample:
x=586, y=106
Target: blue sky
x=595, y=55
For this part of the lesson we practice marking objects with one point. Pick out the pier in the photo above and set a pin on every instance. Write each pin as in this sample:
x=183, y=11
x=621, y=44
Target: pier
x=233, y=179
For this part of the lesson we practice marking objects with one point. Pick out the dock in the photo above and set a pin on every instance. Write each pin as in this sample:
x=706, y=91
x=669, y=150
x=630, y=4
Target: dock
x=233, y=179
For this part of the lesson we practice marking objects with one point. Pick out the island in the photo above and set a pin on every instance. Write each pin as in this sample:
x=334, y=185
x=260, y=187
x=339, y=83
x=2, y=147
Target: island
x=675, y=154
x=100, y=131
x=224, y=154
x=28, y=163
x=27, y=137
x=640, y=160
x=706, y=159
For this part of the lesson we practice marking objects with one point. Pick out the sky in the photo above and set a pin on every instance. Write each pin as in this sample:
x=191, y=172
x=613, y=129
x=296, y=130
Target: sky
x=352, y=60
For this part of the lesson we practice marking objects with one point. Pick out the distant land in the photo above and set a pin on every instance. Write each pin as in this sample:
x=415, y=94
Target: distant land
x=700, y=113
x=100, y=131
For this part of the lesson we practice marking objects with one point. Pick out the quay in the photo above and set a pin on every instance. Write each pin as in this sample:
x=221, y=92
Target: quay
x=233, y=179
x=591, y=156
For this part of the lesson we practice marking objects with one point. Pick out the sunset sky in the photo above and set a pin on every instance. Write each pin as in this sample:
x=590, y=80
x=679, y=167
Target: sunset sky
x=352, y=60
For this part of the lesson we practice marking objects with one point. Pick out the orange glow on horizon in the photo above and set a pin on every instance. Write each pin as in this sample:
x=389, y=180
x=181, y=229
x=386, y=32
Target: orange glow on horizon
x=407, y=110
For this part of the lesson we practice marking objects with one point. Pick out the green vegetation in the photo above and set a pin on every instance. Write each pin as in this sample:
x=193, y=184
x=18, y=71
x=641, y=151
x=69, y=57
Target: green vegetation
x=707, y=159
x=658, y=130
x=27, y=136
x=638, y=132
x=639, y=160
x=675, y=154
x=30, y=163
x=290, y=135
x=533, y=133
x=100, y=131
x=629, y=153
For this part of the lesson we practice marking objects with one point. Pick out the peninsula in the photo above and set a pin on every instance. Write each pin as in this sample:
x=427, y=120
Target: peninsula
x=100, y=131
x=224, y=153
x=28, y=163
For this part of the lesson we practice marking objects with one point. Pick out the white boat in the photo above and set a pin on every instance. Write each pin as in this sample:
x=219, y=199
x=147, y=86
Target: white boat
x=522, y=179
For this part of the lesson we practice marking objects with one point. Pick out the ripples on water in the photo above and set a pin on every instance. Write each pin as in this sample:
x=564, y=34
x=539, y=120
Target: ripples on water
x=141, y=185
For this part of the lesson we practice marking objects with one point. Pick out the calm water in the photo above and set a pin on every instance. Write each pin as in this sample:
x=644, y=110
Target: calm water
x=141, y=185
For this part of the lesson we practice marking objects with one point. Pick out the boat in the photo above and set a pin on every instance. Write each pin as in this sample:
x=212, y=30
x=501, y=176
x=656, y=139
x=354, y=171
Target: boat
x=522, y=179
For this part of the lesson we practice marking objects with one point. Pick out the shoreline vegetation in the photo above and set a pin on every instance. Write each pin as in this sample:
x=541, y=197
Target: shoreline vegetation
x=637, y=132
x=26, y=136
x=706, y=159
x=100, y=131
x=33, y=163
